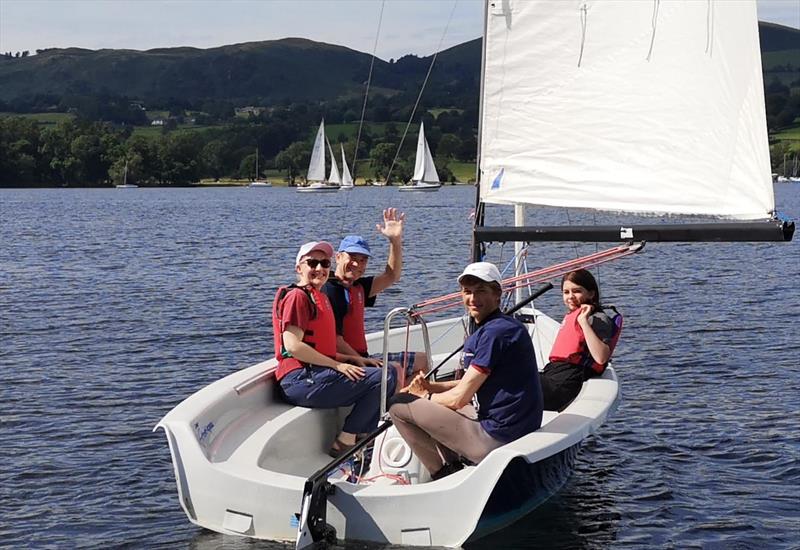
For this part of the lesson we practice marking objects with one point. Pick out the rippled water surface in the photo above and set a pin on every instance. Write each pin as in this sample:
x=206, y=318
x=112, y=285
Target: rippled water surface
x=117, y=304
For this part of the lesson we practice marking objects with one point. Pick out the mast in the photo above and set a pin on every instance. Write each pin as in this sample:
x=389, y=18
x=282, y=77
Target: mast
x=478, y=221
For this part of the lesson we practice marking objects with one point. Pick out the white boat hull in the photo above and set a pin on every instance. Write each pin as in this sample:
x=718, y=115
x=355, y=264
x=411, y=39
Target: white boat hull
x=421, y=186
x=241, y=457
x=318, y=188
x=260, y=184
x=127, y=186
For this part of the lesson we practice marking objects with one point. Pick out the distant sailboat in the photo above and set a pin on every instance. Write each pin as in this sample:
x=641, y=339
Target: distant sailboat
x=315, y=177
x=425, y=176
x=347, y=179
x=125, y=184
x=256, y=182
x=795, y=177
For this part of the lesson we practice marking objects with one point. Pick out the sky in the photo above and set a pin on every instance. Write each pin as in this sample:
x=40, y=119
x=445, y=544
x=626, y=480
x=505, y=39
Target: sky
x=407, y=26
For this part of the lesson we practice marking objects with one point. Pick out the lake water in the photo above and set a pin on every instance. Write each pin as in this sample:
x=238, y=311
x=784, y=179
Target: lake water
x=117, y=304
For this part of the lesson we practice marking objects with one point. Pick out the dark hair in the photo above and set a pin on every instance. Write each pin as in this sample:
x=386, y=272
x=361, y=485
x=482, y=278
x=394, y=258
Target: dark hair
x=585, y=279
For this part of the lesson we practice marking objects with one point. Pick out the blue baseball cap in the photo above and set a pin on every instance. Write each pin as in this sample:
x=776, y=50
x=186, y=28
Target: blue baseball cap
x=355, y=244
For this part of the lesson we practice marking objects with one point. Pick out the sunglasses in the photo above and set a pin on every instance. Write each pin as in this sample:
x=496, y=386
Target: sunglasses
x=313, y=263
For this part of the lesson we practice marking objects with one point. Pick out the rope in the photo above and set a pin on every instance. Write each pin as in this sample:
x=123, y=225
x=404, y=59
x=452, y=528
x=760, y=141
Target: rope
x=422, y=89
x=525, y=280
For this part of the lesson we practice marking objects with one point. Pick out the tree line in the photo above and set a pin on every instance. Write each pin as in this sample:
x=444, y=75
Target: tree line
x=82, y=152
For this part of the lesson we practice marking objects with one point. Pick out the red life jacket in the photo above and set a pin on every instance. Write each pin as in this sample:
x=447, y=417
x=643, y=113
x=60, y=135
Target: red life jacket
x=353, y=321
x=320, y=333
x=570, y=345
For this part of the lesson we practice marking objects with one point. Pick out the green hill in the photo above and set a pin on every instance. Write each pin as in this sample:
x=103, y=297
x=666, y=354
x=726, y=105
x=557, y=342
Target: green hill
x=259, y=73
x=292, y=68
x=280, y=71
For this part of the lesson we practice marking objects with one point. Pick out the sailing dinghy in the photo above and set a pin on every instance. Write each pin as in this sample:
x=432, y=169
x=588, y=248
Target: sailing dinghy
x=315, y=177
x=425, y=177
x=583, y=105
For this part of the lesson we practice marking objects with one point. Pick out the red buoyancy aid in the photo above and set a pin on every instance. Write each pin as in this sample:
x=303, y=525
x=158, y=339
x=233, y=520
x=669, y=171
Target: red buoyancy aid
x=353, y=321
x=570, y=344
x=320, y=333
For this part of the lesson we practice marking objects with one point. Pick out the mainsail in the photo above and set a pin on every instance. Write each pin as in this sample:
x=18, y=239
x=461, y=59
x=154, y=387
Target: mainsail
x=424, y=169
x=316, y=168
x=639, y=107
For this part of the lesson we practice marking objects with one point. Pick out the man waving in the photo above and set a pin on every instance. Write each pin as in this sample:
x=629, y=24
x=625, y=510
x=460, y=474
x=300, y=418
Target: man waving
x=350, y=292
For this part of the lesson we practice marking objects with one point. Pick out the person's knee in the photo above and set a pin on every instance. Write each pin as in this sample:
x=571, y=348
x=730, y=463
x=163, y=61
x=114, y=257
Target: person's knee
x=398, y=408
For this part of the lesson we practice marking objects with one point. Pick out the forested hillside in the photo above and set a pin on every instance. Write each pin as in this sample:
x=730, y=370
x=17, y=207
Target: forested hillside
x=177, y=115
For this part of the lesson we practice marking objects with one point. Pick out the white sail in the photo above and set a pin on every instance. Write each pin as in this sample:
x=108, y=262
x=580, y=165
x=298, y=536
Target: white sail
x=334, y=175
x=316, y=168
x=347, y=179
x=643, y=107
x=424, y=169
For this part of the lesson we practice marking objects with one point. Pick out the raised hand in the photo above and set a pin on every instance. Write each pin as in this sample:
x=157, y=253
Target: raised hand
x=393, y=221
x=583, y=316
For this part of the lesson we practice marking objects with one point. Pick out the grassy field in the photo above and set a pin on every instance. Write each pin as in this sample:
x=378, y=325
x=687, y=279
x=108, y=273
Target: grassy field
x=463, y=171
x=350, y=129
x=791, y=136
x=42, y=118
x=156, y=131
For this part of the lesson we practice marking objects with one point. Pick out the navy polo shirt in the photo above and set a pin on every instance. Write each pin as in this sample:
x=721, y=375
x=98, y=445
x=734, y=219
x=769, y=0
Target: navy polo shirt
x=510, y=399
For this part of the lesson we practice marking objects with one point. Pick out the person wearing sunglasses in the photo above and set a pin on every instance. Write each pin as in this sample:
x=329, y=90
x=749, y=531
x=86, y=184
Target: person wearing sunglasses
x=350, y=292
x=311, y=372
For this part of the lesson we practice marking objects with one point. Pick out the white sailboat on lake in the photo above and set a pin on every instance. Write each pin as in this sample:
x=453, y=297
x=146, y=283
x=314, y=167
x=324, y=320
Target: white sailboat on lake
x=125, y=184
x=257, y=182
x=425, y=177
x=347, y=178
x=316, y=182
x=619, y=123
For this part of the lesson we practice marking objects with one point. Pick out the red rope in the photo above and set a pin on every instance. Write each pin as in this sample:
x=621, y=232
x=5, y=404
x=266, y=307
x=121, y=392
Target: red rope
x=526, y=279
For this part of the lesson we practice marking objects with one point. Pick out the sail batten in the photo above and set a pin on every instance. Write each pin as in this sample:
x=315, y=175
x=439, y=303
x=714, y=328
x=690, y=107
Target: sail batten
x=576, y=115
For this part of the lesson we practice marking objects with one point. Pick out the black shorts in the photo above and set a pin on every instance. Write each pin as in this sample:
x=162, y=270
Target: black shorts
x=561, y=383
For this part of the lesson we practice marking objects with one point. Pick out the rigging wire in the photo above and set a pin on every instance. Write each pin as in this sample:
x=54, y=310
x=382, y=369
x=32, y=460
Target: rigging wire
x=422, y=89
x=525, y=280
x=366, y=92
x=354, y=173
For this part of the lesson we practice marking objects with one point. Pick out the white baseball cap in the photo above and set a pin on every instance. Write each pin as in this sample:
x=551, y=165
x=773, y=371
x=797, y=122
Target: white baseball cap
x=323, y=246
x=485, y=271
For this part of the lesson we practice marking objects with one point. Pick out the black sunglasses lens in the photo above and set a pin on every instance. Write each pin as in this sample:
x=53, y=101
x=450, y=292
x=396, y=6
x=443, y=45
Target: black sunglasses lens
x=314, y=263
